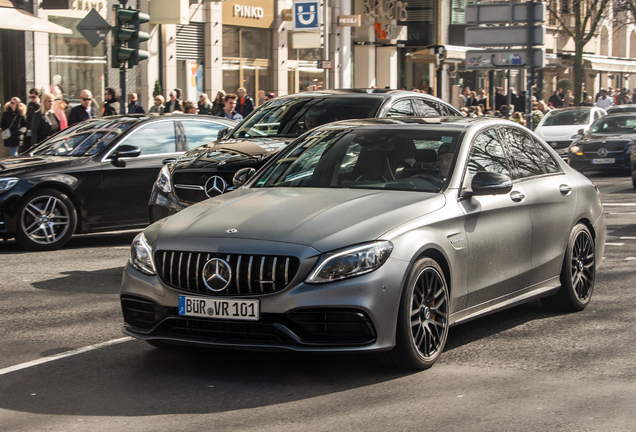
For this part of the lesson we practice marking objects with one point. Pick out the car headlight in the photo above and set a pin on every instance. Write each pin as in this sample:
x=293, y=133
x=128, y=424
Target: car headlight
x=141, y=255
x=7, y=183
x=163, y=181
x=576, y=150
x=629, y=149
x=352, y=262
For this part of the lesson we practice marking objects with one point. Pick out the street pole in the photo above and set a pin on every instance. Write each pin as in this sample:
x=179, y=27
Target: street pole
x=122, y=84
x=325, y=10
x=530, y=56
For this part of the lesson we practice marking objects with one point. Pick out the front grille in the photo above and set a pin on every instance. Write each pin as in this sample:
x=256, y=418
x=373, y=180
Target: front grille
x=190, y=195
x=560, y=144
x=142, y=313
x=190, y=186
x=251, y=274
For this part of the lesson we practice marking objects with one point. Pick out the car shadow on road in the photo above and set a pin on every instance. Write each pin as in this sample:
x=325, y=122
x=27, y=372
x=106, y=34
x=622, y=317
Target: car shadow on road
x=79, y=241
x=104, y=281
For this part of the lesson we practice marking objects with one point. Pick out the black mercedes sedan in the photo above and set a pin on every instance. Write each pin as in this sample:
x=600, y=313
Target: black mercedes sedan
x=606, y=146
x=208, y=171
x=95, y=176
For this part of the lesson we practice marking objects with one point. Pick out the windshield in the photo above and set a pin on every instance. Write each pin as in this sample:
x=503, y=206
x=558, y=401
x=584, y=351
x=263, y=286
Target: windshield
x=616, y=125
x=621, y=109
x=567, y=118
x=85, y=139
x=293, y=117
x=417, y=160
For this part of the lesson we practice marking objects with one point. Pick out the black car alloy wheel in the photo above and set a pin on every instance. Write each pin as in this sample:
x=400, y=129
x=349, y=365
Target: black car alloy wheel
x=423, y=323
x=47, y=220
x=578, y=273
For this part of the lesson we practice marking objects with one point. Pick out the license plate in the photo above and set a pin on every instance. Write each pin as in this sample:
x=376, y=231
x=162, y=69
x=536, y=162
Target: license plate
x=603, y=161
x=221, y=308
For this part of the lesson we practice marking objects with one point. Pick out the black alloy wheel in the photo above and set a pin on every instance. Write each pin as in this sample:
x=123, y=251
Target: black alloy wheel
x=577, y=274
x=423, y=318
x=47, y=220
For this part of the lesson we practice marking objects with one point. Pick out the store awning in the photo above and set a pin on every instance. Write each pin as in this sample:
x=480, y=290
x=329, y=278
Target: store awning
x=16, y=19
x=608, y=64
x=454, y=54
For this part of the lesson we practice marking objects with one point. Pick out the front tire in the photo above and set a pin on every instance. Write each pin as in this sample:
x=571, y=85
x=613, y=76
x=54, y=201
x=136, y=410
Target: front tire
x=577, y=274
x=47, y=220
x=423, y=318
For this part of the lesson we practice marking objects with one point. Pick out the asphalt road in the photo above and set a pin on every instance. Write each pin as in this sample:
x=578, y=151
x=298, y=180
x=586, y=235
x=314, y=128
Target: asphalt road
x=524, y=369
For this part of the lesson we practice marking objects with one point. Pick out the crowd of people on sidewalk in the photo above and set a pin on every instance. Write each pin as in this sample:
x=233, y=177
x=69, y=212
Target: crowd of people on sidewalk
x=24, y=126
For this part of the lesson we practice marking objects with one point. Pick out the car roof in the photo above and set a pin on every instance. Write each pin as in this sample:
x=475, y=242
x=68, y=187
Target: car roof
x=154, y=117
x=449, y=123
x=357, y=92
x=579, y=108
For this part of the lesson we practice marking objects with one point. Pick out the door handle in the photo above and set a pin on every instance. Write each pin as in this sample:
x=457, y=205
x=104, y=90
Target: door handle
x=517, y=196
x=565, y=189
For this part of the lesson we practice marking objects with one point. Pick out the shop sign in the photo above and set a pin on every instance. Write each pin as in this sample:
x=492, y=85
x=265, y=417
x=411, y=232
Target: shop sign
x=87, y=5
x=349, y=21
x=306, y=15
x=169, y=11
x=249, y=13
x=287, y=15
x=386, y=9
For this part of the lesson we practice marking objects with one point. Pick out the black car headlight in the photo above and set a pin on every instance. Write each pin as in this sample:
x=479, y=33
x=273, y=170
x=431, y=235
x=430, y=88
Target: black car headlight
x=7, y=183
x=141, y=255
x=351, y=262
x=163, y=181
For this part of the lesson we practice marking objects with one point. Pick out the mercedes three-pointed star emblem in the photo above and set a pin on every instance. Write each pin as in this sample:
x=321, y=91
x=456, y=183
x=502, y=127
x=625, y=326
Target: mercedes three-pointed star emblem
x=215, y=186
x=217, y=274
x=602, y=152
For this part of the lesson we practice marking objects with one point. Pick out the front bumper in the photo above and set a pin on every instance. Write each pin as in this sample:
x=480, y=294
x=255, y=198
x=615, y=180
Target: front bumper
x=357, y=314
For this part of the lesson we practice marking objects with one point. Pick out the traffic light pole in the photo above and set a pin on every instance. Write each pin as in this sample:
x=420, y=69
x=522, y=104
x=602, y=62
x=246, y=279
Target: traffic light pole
x=530, y=57
x=122, y=85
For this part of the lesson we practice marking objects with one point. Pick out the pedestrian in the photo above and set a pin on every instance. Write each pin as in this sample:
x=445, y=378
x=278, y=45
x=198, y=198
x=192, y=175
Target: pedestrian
x=520, y=103
x=134, y=106
x=568, y=98
x=245, y=104
x=13, y=124
x=500, y=99
x=111, y=104
x=158, y=107
x=229, y=110
x=556, y=99
x=204, y=104
x=537, y=114
x=173, y=104
x=481, y=97
x=84, y=111
x=189, y=107
x=219, y=102
x=262, y=97
x=45, y=123
x=604, y=101
x=269, y=96
x=517, y=117
x=588, y=101
x=32, y=107
x=178, y=93
x=471, y=100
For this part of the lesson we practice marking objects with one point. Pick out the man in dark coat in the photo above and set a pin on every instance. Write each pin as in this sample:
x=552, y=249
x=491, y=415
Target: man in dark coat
x=84, y=111
x=245, y=104
x=556, y=99
x=174, y=103
x=134, y=107
x=111, y=105
x=500, y=99
x=32, y=107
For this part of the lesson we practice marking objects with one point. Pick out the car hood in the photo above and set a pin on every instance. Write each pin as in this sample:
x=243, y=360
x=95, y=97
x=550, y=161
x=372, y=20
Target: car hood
x=595, y=137
x=325, y=219
x=559, y=133
x=230, y=152
x=24, y=164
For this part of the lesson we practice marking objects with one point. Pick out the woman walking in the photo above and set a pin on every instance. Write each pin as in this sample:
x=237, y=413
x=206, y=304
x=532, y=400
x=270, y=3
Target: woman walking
x=219, y=102
x=158, y=106
x=204, y=104
x=13, y=125
x=45, y=123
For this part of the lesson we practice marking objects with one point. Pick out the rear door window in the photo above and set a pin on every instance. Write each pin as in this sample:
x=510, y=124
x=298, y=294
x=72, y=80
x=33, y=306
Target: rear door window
x=402, y=108
x=200, y=132
x=154, y=138
x=425, y=108
x=487, y=155
x=523, y=152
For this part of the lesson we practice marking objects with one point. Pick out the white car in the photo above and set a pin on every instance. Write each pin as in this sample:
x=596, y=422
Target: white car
x=560, y=127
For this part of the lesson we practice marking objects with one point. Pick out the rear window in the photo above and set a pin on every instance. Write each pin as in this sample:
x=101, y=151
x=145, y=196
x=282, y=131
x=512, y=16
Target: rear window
x=567, y=118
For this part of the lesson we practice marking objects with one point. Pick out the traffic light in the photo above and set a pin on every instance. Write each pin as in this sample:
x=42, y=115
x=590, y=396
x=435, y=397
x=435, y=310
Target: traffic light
x=127, y=36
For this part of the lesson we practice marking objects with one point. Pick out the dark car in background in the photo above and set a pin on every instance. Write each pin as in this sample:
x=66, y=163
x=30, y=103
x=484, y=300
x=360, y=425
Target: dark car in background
x=94, y=176
x=208, y=171
x=622, y=109
x=607, y=146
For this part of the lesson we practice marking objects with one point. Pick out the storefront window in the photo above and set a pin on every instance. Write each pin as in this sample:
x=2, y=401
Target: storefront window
x=246, y=62
x=75, y=65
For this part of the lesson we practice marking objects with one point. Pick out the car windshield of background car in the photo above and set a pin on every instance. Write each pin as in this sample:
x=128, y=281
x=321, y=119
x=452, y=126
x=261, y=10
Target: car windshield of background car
x=567, y=118
x=289, y=118
x=365, y=158
x=620, y=125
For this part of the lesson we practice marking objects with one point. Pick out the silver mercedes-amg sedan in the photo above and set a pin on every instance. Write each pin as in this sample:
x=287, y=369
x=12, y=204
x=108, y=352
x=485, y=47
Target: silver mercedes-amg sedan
x=371, y=235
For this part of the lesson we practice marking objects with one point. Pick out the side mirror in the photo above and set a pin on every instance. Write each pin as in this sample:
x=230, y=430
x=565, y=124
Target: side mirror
x=487, y=183
x=242, y=176
x=581, y=132
x=125, y=151
x=223, y=132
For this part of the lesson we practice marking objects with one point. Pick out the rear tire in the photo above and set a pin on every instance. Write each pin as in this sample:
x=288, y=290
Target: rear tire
x=577, y=274
x=423, y=318
x=46, y=220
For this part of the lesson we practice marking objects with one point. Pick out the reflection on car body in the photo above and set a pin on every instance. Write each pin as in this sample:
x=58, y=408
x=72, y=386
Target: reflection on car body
x=355, y=239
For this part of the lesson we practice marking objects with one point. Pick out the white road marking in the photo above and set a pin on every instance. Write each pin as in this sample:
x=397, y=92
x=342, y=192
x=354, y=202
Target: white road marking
x=619, y=204
x=614, y=244
x=630, y=258
x=619, y=213
x=628, y=238
x=63, y=355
